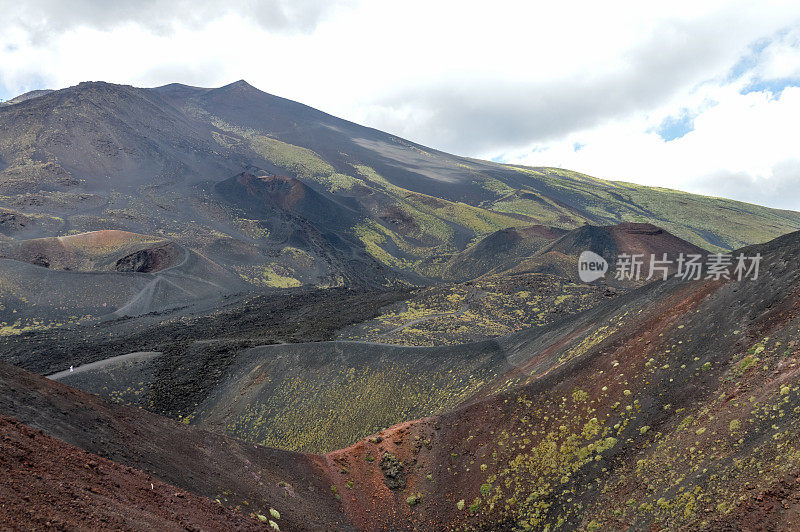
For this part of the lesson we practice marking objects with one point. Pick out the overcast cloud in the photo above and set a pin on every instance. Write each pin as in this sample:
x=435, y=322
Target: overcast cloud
x=701, y=96
x=43, y=20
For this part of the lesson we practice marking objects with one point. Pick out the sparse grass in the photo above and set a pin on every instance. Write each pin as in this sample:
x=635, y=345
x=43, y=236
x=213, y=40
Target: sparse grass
x=341, y=406
x=711, y=223
x=300, y=161
x=492, y=306
x=267, y=275
x=414, y=499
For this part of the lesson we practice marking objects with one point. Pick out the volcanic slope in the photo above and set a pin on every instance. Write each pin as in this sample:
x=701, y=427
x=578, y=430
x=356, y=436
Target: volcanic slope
x=104, y=156
x=316, y=397
x=48, y=484
x=498, y=248
x=241, y=476
x=311, y=397
x=674, y=408
x=671, y=406
x=560, y=257
x=50, y=282
x=534, y=283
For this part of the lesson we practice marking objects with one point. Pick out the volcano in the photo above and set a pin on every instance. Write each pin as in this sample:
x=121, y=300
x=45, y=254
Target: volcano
x=222, y=309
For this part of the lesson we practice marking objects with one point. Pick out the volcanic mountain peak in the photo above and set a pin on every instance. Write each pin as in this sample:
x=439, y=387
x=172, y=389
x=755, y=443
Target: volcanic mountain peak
x=27, y=96
x=561, y=256
x=500, y=248
x=241, y=85
x=158, y=239
x=238, y=93
x=100, y=155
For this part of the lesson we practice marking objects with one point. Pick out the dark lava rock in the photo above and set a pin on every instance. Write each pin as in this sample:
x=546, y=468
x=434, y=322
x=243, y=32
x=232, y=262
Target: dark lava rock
x=149, y=260
x=393, y=471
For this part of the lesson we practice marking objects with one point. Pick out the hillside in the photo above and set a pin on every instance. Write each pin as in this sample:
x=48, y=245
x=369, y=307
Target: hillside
x=499, y=248
x=242, y=309
x=50, y=484
x=560, y=256
x=54, y=281
x=165, y=161
x=96, y=251
x=221, y=471
x=671, y=406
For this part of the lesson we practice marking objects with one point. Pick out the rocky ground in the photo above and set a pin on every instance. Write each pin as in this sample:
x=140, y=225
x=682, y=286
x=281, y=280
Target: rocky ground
x=472, y=311
x=244, y=477
x=670, y=407
x=263, y=317
x=48, y=484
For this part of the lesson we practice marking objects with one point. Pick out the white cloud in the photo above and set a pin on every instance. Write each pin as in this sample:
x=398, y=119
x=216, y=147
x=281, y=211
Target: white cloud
x=492, y=80
x=780, y=58
x=742, y=146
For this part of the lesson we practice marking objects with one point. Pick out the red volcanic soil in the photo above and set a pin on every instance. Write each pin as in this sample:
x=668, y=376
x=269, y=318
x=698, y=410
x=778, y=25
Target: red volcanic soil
x=775, y=508
x=647, y=238
x=96, y=250
x=103, y=238
x=626, y=237
x=376, y=497
x=48, y=484
x=247, y=477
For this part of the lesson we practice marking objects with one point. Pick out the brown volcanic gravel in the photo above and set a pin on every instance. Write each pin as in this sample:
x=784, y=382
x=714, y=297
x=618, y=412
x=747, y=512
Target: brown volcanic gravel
x=50, y=485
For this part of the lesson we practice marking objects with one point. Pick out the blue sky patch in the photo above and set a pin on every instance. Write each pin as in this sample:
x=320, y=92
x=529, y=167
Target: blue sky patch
x=675, y=127
x=774, y=86
x=751, y=59
x=748, y=61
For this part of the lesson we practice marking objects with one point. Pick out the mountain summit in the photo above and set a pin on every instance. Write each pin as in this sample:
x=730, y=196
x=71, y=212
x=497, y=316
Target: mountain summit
x=155, y=161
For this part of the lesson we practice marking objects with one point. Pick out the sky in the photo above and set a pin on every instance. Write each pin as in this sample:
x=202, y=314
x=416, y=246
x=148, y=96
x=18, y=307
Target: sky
x=701, y=95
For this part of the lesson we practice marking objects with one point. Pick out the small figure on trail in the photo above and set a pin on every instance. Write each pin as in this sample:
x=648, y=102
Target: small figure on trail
x=70, y=369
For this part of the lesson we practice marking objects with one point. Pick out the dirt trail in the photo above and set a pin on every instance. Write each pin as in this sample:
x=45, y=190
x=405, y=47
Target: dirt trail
x=100, y=364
